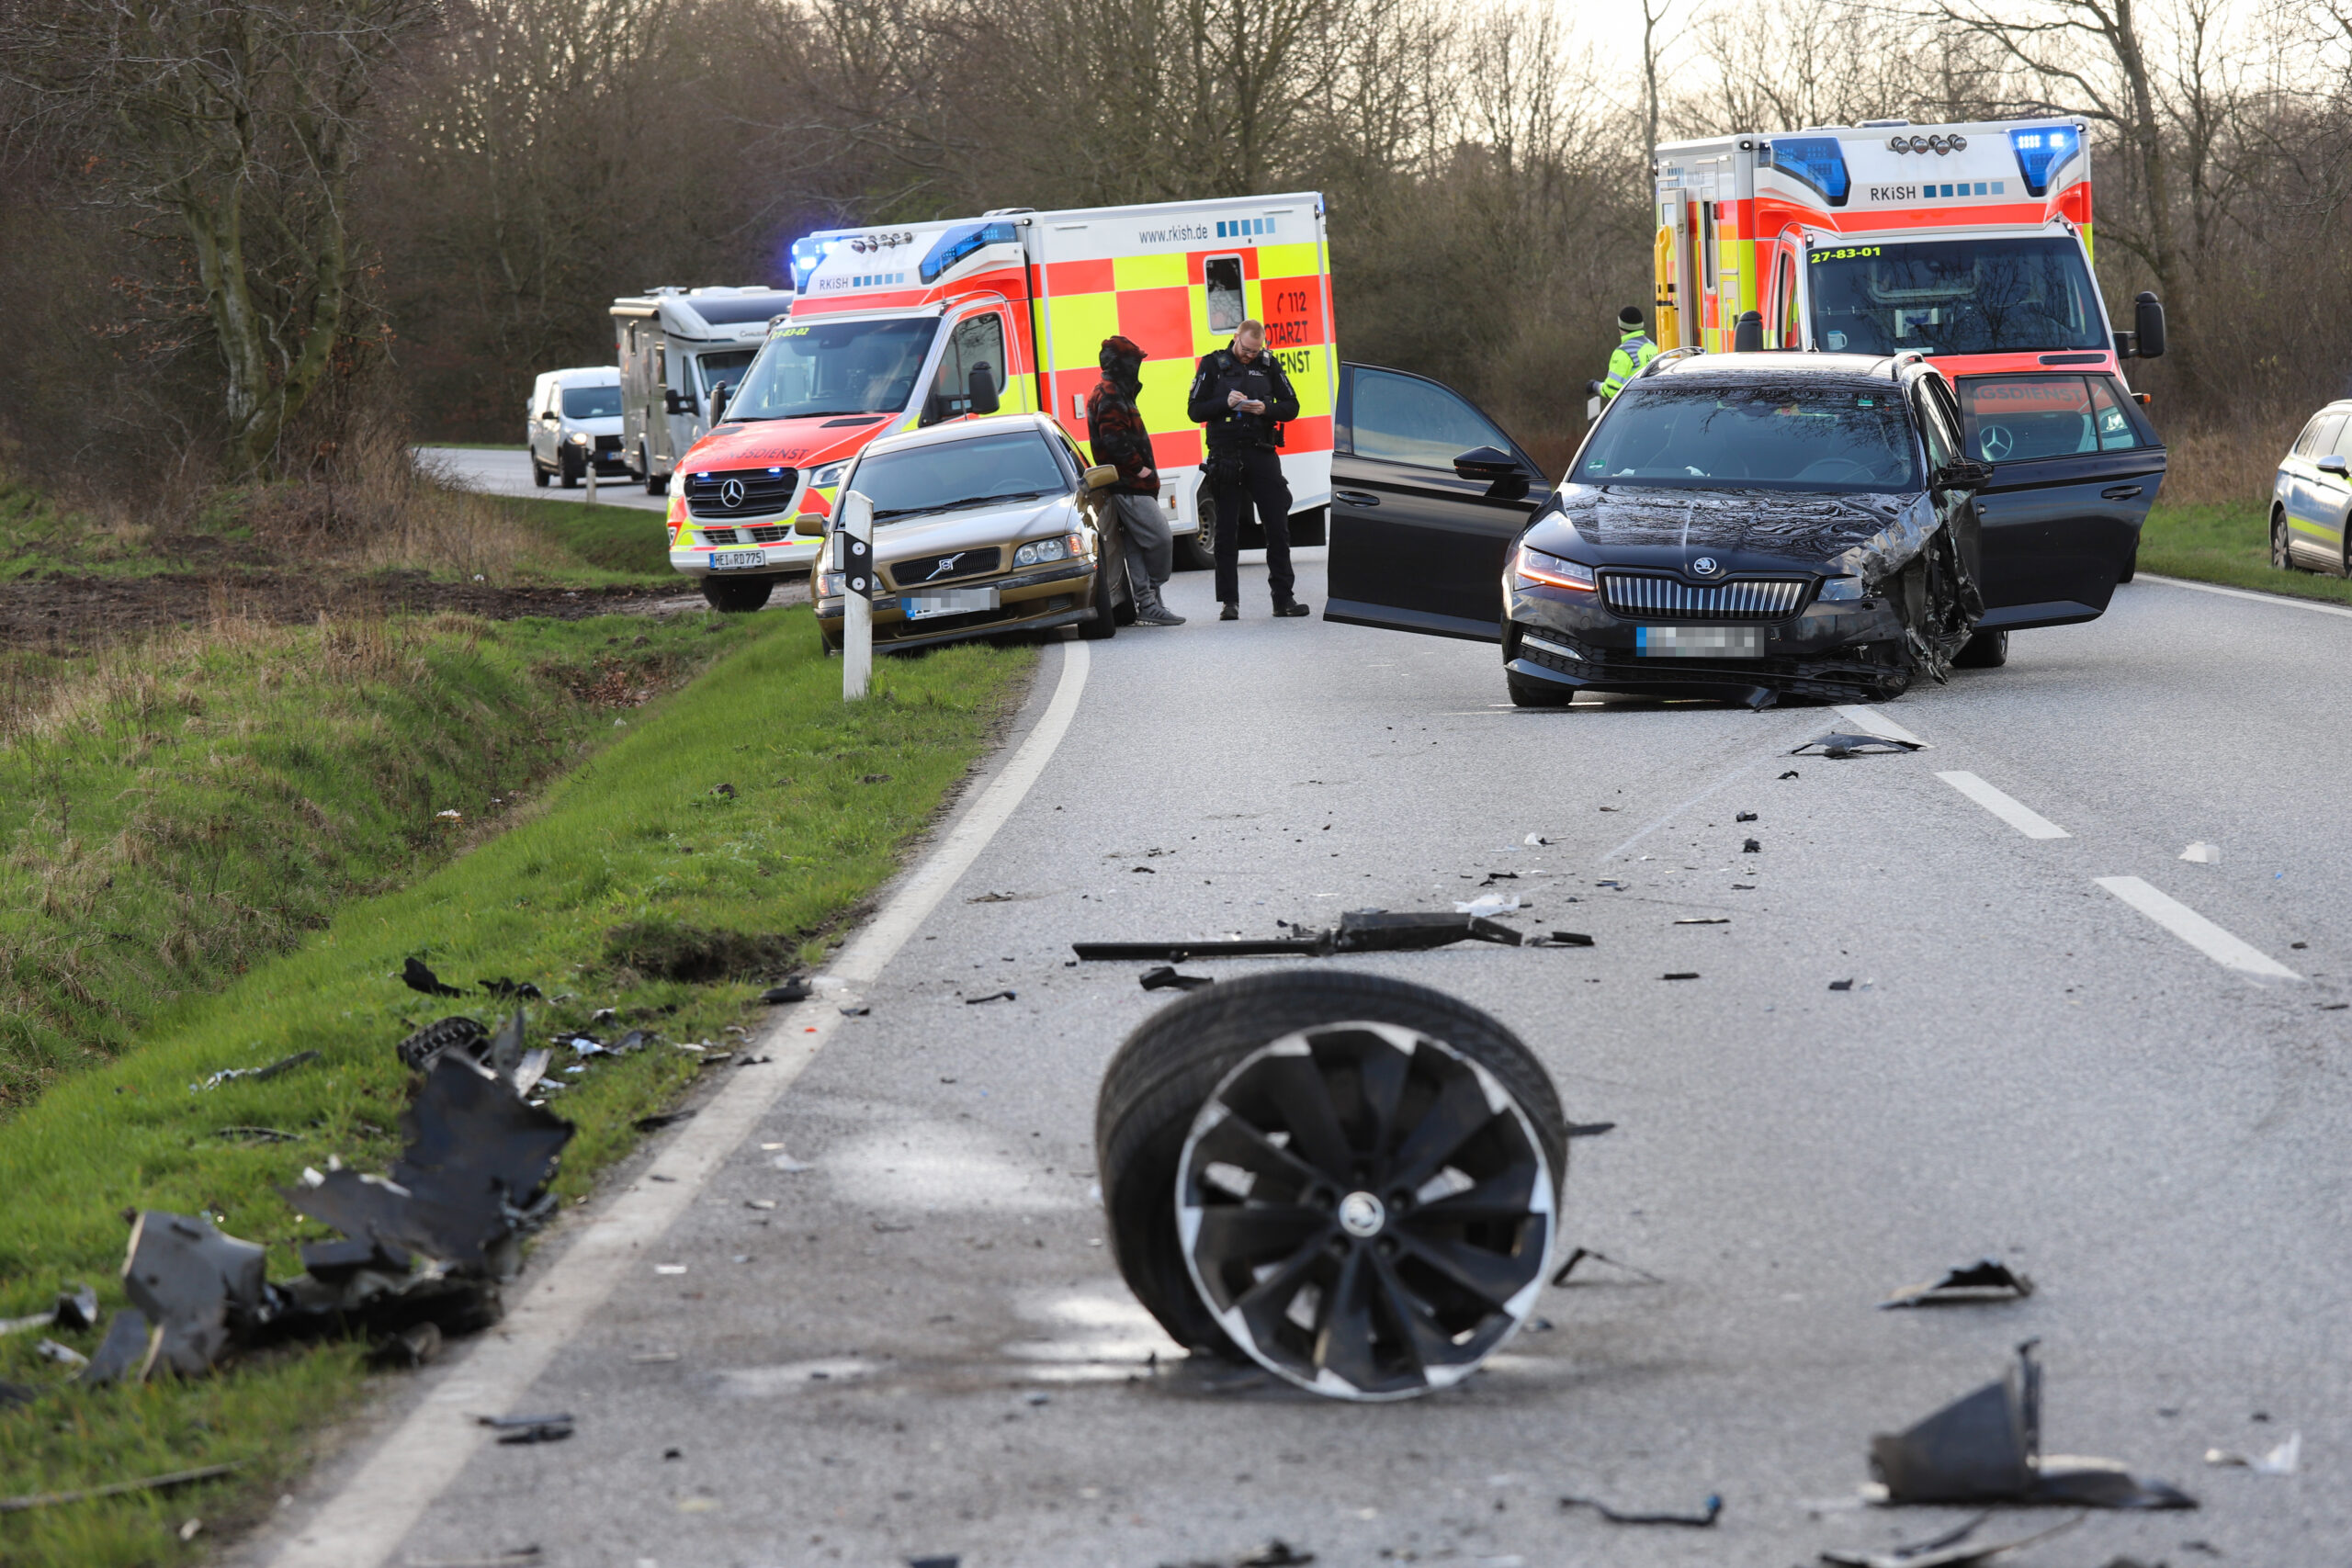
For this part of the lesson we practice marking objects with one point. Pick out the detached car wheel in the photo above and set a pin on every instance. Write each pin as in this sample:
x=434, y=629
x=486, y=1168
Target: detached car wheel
x=737, y=595
x=1986, y=650
x=1351, y=1180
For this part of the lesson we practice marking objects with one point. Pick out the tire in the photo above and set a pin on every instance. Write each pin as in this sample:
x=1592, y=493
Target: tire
x=1162, y=1076
x=737, y=595
x=1192, y=555
x=2130, y=563
x=1526, y=692
x=1986, y=650
x=538, y=474
x=654, y=483
x=1105, y=623
x=2281, y=557
x=568, y=471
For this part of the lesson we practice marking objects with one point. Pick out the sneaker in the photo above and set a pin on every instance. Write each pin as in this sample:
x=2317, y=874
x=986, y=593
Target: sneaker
x=1156, y=615
x=1230, y=613
x=1293, y=608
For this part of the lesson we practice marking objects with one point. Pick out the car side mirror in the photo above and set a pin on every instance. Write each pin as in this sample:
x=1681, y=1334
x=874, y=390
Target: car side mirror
x=1962, y=474
x=1102, y=476
x=718, y=402
x=671, y=401
x=2148, y=342
x=809, y=526
x=2331, y=463
x=1500, y=472
x=1747, y=336
x=980, y=386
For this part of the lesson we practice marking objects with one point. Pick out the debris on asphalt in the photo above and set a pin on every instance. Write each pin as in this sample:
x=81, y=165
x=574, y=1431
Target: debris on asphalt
x=1587, y=1129
x=2202, y=853
x=795, y=989
x=1985, y=1448
x=283, y=1065
x=1790, y=775
x=1275, y=1553
x=1950, y=1550
x=1987, y=1279
x=992, y=997
x=786, y=1164
x=1165, y=978
x=1560, y=1275
x=116, y=1488
x=856, y=1011
x=1841, y=984
x=1681, y=975
x=1562, y=939
x=949, y=1561
x=123, y=1352
x=199, y=1285
x=1836, y=747
x=530, y=1428
x=1359, y=930
x=2284, y=1460
x=417, y=977
x=1486, y=905
x=1619, y=887
x=511, y=991
x=1751, y=848
x=1745, y=816
x=1709, y=1511
x=1704, y=921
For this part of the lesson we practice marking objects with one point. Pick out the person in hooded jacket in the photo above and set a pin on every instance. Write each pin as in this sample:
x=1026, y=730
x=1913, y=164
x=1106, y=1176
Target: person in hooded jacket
x=1114, y=429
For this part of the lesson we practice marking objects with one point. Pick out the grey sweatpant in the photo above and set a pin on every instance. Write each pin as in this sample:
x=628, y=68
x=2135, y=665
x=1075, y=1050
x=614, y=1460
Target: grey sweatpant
x=1151, y=545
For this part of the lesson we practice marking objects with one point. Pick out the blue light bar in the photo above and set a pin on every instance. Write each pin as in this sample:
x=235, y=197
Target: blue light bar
x=956, y=243
x=1818, y=161
x=806, y=252
x=2042, y=153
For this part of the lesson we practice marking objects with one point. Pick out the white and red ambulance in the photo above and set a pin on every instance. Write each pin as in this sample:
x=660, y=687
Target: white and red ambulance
x=1970, y=245
x=898, y=327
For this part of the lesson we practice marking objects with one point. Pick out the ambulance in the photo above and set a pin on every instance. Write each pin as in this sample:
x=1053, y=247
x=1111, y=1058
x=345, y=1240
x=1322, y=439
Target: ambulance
x=902, y=326
x=1971, y=246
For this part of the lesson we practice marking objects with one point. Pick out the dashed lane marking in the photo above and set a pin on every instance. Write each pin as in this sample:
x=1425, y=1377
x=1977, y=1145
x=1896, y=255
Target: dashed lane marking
x=2026, y=821
x=382, y=1502
x=2195, y=929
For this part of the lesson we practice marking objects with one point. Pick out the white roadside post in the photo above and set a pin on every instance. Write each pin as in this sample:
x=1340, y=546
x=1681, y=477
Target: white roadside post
x=853, y=558
x=590, y=464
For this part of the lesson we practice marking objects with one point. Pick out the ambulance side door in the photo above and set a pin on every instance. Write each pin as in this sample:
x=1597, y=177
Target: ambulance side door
x=2075, y=467
x=1418, y=534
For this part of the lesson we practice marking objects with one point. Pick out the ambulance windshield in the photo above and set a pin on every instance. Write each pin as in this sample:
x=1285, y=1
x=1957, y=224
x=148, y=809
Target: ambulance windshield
x=811, y=368
x=1755, y=434
x=1990, y=296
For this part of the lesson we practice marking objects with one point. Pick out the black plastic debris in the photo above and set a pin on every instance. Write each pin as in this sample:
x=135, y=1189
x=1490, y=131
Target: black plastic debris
x=419, y=979
x=200, y=1285
x=283, y=1065
x=1560, y=1275
x=1359, y=930
x=412, y=1346
x=123, y=1352
x=992, y=997
x=1953, y=1548
x=76, y=1308
x=1841, y=984
x=509, y=990
x=1709, y=1512
x=458, y=1033
x=471, y=1179
x=1704, y=921
x=1987, y=1279
x=1836, y=747
x=656, y=1123
x=1751, y=848
x=1165, y=978
x=1563, y=939
x=1790, y=775
x=947, y=1561
x=1275, y=1553
x=336, y=1261
x=1986, y=1447
x=530, y=1428
x=795, y=989
x=1745, y=816
x=1681, y=975
x=1588, y=1129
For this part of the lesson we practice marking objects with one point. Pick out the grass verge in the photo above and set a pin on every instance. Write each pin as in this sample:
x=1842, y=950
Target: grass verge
x=630, y=540
x=2227, y=543
x=179, y=809
x=628, y=871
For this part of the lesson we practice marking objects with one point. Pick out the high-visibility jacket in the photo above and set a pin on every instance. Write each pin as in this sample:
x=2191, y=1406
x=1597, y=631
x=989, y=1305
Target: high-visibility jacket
x=1635, y=351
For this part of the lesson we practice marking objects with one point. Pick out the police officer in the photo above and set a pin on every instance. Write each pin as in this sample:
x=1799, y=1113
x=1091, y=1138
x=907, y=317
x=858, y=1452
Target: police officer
x=1634, y=350
x=1241, y=394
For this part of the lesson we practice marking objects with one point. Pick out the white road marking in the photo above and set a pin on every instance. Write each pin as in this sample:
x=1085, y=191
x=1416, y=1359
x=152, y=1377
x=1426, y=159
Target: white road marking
x=2196, y=929
x=2026, y=821
x=360, y=1526
x=1877, y=723
x=2280, y=599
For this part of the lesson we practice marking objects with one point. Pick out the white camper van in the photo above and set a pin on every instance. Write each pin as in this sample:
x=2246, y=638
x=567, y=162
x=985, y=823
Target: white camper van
x=674, y=345
x=574, y=419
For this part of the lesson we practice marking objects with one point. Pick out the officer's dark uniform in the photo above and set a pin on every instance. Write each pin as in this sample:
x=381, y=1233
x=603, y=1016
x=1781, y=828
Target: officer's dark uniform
x=1242, y=465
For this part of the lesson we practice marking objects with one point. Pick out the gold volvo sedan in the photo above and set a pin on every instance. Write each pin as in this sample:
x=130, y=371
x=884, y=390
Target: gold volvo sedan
x=981, y=527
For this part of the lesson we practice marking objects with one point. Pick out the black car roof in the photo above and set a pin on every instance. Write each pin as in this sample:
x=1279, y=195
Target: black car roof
x=1808, y=367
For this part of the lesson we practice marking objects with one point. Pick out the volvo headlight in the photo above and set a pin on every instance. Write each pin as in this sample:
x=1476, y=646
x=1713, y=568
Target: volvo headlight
x=1553, y=571
x=829, y=585
x=1842, y=588
x=1038, y=551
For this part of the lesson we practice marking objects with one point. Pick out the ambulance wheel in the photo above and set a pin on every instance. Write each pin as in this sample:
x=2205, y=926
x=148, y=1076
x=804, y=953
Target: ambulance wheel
x=1194, y=552
x=1105, y=623
x=1407, y=1201
x=538, y=474
x=737, y=595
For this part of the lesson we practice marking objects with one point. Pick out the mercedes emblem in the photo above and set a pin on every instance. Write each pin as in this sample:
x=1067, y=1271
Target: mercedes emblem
x=730, y=493
x=1705, y=566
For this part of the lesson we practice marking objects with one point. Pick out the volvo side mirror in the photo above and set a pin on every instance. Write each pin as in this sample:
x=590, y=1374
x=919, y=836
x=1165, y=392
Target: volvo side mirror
x=1102, y=476
x=2148, y=342
x=1747, y=337
x=809, y=526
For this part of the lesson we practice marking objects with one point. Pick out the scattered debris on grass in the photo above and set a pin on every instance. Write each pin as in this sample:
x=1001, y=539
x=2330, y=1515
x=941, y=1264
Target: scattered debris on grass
x=1709, y=1512
x=1987, y=1279
x=1836, y=747
x=1950, y=1550
x=229, y=1075
x=1166, y=978
x=417, y=977
x=76, y=1308
x=63, y=1355
x=511, y=991
x=794, y=990
x=2284, y=1460
x=115, y=1488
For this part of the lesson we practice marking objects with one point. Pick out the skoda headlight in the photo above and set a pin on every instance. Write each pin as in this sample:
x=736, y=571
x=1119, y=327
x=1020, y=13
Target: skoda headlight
x=1038, y=551
x=1553, y=571
x=1842, y=588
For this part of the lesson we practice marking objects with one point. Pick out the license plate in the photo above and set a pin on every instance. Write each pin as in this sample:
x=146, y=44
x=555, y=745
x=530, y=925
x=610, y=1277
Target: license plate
x=948, y=601
x=736, y=561
x=1700, y=642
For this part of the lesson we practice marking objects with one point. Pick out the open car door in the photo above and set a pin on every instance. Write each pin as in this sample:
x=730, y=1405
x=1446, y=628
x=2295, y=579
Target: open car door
x=1427, y=496
x=2075, y=467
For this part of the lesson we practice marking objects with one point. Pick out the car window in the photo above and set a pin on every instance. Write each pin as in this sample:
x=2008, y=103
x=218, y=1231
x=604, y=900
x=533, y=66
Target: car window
x=1767, y=434
x=975, y=354
x=1012, y=464
x=728, y=366
x=592, y=402
x=1405, y=420
x=2015, y=419
x=834, y=367
x=1931, y=429
x=2327, y=434
x=2343, y=448
x=2118, y=432
x=1982, y=296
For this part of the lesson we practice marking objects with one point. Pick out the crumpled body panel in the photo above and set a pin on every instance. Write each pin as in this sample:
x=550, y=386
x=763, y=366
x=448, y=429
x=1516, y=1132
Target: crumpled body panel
x=1869, y=535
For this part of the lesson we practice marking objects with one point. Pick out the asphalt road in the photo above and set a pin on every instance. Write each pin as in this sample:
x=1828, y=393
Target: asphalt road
x=506, y=471
x=2027, y=1067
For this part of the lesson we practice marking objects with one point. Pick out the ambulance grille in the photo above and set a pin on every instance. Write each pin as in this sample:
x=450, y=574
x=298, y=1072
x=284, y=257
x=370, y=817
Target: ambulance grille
x=771, y=534
x=1640, y=597
x=764, y=492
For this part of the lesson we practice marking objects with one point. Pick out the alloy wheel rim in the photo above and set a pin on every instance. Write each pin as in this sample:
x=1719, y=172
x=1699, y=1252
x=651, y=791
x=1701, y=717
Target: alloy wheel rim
x=1367, y=1212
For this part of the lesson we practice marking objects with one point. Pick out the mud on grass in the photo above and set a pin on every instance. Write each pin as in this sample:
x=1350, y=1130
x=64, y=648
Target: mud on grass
x=638, y=838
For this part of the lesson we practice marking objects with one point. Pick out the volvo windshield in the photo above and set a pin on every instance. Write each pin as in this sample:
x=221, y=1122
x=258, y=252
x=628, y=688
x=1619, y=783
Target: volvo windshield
x=1990, y=296
x=1015, y=464
x=835, y=367
x=1763, y=435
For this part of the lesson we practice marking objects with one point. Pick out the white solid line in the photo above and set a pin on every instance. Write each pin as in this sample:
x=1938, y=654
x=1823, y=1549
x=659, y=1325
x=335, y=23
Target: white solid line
x=2196, y=929
x=2289, y=602
x=1877, y=723
x=2026, y=821
x=377, y=1508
